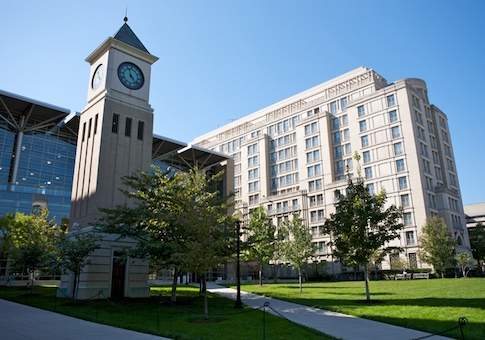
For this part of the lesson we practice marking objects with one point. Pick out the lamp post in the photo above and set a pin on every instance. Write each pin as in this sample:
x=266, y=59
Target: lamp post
x=238, y=217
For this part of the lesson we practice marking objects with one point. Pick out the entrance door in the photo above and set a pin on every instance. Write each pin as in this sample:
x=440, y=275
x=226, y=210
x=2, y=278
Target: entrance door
x=118, y=277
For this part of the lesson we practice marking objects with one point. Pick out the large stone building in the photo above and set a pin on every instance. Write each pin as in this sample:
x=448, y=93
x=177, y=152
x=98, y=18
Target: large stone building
x=292, y=156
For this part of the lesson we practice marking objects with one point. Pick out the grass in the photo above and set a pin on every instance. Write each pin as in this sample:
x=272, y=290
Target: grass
x=182, y=321
x=426, y=305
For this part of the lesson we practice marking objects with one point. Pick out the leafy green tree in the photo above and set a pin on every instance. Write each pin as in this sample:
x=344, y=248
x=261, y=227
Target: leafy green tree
x=72, y=254
x=298, y=246
x=362, y=225
x=179, y=220
x=465, y=261
x=5, y=238
x=31, y=239
x=262, y=240
x=436, y=244
x=477, y=243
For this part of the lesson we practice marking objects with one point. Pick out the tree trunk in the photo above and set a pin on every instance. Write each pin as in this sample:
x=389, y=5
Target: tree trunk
x=76, y=284
x=299, y=279
x=367, y=295
x=260, y=274
x=276, y=268
x=206, y=307
x=173, y=297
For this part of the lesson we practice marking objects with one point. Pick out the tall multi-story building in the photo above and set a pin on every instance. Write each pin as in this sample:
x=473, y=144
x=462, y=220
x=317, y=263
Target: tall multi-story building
x=292, y=156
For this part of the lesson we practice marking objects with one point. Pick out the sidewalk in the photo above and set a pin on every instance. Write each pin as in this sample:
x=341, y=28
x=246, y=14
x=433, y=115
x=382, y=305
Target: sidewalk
x=21, y=322
x=336, y=324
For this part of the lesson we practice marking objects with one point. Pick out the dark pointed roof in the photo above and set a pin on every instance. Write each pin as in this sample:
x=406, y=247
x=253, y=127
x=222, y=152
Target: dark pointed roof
x=126, y=35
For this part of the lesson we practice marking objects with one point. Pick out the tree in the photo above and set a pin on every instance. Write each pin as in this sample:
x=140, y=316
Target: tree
x=465, y=261
x=298, y=246
x=361, y=225
x=72, y=252
x=477, y=243
x=178, y=219
x=261, y=244
x=31, y=239
x=436, y=244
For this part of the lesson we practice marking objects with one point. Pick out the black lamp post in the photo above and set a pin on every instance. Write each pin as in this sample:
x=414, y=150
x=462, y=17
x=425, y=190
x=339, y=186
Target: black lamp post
x=238, y=304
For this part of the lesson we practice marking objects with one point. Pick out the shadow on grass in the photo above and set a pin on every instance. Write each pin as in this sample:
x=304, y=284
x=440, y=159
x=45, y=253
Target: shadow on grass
x=451, y=329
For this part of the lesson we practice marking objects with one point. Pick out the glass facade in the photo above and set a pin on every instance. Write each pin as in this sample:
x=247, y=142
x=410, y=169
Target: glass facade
x=45, y=171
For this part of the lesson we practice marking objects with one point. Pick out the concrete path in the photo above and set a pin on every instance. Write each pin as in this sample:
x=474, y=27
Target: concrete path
x=336, y=324
x=20, y=322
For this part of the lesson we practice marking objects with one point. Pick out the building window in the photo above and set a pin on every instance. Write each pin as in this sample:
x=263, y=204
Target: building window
x=361, y=110
x=410, y=237
x=252, y=149
x=89, y=127
x=368, y=172
x=346, y=134
x=400, y=165
x=128, y=127
x=338, y=151
x=365, y=141
x=114, y=126
x=271, y=131
x=141, y=126
x=343, y=103
x=95, y=124
x=366, y=156
x=252, y=161
x=84, y=130
x=339, y=167
x=333, y=107
x=348, y=149
x=370, y=188
x=393, y=116
x=405, y=201
x=253, y=186
x=397, y=148
x=335, y=124
x=403, y=183
x=396, y=132
x=345, y=120
x=254, y=173
x=363, y=125
x=336, y=137
x=391, y=101
x=407, y=219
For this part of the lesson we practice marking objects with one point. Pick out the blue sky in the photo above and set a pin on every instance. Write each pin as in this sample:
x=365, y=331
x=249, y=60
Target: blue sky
x=221, y=60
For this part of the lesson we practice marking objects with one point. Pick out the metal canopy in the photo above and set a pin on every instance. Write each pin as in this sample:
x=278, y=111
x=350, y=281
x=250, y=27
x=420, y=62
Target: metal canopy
x=182, y=155
x=25, y=114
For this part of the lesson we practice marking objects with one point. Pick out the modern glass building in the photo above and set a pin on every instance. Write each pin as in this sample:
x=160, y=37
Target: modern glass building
x=37, y=153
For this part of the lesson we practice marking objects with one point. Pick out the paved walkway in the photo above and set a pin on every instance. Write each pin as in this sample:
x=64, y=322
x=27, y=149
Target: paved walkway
x=336, y=324
x=20, y=322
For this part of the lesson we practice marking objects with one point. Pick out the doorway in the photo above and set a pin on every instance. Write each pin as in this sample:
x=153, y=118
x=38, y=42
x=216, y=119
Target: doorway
x=117, y=277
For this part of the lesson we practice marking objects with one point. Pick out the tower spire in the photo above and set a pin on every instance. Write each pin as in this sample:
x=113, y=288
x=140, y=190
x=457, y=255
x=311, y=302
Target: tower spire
x=126, y=15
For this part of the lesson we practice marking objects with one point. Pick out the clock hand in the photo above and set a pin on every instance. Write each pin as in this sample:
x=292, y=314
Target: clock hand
x=131, y=74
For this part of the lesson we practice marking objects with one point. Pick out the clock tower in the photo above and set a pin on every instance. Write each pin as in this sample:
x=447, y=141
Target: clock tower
x=116, y=127
x=115, y=139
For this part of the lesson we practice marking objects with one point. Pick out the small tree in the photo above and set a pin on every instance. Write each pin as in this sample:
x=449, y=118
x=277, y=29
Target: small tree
x=261, y=244
x=436, y=244
x=178, y=219
x=465, y=261
x=477, y=243
x=31, y=239
x=298, y=247
x=72, y=252
x=362, y=225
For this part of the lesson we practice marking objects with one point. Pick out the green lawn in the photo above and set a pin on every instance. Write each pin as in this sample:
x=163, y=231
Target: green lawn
x=177, y=322
x=427, y=305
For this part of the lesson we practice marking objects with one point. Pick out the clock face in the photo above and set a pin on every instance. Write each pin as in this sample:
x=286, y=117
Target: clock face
x=130, y=75
x=97, y=77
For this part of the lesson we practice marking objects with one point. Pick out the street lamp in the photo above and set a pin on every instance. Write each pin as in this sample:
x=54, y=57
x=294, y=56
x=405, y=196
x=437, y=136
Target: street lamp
x=238, y=217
